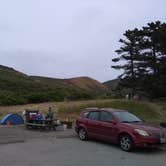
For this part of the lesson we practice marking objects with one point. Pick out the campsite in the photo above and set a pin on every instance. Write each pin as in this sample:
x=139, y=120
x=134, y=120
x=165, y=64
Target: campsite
x=82, y=83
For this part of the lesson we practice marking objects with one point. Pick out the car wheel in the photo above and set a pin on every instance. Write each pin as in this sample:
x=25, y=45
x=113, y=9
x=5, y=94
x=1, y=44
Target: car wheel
x=126, y=143
x=82, y=134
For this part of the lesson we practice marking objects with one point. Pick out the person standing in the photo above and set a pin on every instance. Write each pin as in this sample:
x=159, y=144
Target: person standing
x=49, y=118
x=50, y=114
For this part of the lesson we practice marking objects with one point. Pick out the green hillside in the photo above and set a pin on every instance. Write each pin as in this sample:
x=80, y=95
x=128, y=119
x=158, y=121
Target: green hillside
x=19, y=88
x=79, y=83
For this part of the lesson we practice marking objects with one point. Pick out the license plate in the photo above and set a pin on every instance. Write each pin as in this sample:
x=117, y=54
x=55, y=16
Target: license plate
x=162, y=140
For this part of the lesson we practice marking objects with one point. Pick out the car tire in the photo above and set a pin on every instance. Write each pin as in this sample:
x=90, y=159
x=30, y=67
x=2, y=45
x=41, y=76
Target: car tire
x=82, y=134
x=126, y=142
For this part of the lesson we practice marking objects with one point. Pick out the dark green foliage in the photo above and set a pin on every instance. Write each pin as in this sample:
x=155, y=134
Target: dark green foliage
x=18, y=88
x=144, y=60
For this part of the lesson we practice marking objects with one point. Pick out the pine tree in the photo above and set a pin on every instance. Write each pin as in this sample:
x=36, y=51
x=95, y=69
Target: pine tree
x=128, y=53
x=143, y=59
x=152, y=51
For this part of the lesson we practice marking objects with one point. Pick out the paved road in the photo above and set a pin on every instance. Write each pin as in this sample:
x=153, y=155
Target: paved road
x=65, y=149
x=17, y=135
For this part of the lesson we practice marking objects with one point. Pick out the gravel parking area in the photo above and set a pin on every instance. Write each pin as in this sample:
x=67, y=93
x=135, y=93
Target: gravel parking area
x=20, y=134
x=20, y=147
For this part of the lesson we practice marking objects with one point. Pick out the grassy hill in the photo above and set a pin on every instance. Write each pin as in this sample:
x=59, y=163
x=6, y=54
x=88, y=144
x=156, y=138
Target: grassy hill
x=81, y=83
x=87, y=83
x=19, y=88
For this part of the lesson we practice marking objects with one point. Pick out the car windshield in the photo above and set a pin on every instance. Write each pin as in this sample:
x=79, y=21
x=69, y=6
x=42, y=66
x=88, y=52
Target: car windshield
x=126, y=117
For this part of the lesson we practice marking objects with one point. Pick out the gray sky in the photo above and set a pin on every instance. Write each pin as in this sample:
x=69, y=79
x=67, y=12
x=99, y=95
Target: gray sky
x=69, y=38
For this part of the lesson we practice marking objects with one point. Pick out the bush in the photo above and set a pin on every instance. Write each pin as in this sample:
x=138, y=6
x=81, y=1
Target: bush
x=12, y=99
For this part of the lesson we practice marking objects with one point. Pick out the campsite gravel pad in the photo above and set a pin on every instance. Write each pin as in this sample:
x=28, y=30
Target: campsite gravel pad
x=18, y=135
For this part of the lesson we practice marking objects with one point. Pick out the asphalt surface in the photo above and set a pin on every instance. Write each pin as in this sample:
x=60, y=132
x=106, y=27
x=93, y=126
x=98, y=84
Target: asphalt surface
x=20, y=147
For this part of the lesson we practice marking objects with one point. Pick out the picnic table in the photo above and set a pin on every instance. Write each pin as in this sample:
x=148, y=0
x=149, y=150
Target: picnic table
x=32, y=123
x=42, y=124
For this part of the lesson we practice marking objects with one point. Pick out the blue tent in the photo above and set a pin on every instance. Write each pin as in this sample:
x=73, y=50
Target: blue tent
x=12, y=119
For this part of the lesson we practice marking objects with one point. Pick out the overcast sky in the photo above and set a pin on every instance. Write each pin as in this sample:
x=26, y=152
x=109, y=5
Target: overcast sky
x=69, y=38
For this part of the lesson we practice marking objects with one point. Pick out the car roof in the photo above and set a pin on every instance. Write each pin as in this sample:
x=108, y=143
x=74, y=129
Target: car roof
x=92, y=108
x=105, y=109
x=112, y=110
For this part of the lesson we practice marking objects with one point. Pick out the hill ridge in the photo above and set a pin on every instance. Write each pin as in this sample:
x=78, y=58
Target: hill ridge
x=19, y=88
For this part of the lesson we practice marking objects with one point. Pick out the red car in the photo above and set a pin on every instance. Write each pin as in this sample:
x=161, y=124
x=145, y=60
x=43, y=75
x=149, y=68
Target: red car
x=118, y=126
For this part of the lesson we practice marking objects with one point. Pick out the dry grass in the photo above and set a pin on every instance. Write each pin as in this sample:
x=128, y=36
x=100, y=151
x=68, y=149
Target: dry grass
x=87, y=83
x=63, y=110
x=153, y=112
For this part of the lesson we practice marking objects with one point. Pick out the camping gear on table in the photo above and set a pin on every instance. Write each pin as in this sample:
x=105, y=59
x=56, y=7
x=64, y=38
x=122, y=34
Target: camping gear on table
x=34, y=120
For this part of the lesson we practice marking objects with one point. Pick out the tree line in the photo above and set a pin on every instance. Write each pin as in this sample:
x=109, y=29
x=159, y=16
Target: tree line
x=142, y=58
